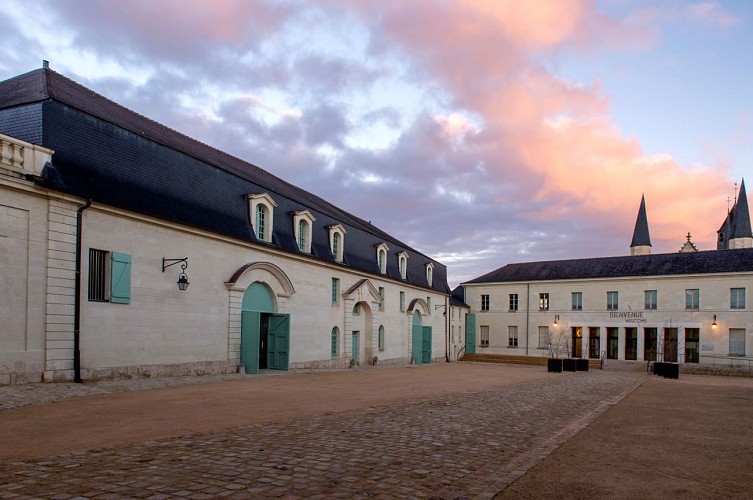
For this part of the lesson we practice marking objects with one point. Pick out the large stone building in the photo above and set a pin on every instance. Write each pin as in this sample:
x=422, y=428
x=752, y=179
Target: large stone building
x=690, y=306
x=127, y=248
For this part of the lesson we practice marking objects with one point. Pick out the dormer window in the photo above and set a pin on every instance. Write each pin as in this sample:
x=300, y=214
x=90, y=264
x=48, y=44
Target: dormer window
x=429, y=273
x=337, y=241
x=262, y=208
x=402, y=264
x=303, y=222
x=381, y=255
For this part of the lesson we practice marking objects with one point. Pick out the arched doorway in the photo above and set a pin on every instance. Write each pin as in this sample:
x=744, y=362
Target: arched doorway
x=421, y=340
x=362, y=333
x=265, y=335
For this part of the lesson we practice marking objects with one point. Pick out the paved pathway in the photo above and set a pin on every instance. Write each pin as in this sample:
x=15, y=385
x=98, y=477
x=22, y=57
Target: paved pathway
x=468, y=445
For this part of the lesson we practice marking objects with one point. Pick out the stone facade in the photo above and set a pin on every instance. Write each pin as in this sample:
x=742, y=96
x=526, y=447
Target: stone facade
x=161, y=330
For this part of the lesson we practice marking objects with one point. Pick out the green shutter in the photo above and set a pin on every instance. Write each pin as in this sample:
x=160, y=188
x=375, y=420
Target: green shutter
x=470, y=333
x=120, y=282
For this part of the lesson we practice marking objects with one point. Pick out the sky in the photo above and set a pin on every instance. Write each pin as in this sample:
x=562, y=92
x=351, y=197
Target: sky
x=480, y=132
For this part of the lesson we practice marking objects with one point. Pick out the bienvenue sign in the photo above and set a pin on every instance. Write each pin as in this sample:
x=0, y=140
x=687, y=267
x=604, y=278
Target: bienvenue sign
x=629, y=316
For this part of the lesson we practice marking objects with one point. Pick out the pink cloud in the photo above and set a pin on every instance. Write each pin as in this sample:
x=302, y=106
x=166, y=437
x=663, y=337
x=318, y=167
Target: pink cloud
x=555, y=138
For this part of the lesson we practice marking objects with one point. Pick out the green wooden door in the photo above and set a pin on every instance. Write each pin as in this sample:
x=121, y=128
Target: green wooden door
x=470, y=334
x=279, y=341
x=250, y=325
x=426, y=345
x=417, y=336
x=356, y=357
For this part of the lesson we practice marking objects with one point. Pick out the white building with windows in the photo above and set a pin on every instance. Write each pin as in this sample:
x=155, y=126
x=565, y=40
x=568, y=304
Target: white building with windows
x=689, y=307
x=129, y=249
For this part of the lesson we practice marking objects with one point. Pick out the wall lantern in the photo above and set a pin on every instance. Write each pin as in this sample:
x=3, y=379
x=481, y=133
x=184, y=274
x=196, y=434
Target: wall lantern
x=556, y=318
x=713, y=325
x=182, y=278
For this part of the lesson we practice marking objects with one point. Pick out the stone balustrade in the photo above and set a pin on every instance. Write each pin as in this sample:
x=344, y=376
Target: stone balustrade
x=22, y=157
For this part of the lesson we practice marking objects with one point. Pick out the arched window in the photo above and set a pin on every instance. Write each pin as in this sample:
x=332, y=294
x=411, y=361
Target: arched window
x=356, y=309
x=429, y=273
x=262, y=214
x=380, y=339
x=261, y=221
x=335, y=342
x=381, y=257
x=303, y=232
x=402, y=261
x=336, y=246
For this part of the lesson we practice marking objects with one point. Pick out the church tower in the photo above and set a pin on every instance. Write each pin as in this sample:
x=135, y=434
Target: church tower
x=736, y=229
x=641, y=244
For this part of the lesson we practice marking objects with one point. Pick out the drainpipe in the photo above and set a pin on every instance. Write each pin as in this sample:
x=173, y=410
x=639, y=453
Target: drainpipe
x=77, y=299
x=528, y=311
x=447, y=329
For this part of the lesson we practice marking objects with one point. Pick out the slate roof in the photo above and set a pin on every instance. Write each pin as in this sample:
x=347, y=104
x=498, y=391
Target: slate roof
x=457, y=297
x=741, y=223
x=641, y=236
x=117, y=157
x=670, y=264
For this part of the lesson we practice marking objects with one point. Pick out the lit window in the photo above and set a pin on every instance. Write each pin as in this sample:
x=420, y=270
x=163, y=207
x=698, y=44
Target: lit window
x=484, y=302
x=692, y=298
x=737, y=298
x=543, y=301
x=651, y=299
x=612, y=301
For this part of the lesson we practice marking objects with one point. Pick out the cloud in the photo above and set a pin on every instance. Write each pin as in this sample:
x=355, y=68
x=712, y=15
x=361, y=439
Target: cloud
x=445, y=123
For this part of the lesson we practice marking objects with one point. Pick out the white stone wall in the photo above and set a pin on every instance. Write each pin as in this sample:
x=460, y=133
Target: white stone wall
x=163, y=326
x=23, y=254
x=671, y=312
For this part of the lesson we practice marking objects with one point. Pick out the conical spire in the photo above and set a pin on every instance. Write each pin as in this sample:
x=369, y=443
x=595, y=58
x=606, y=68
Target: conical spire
x=741, y=223
x=641, y=244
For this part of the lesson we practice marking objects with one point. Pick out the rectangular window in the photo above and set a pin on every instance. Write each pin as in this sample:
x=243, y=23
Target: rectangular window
x=452, y=333
x=402, y=301
x=428, y=303
x=543, y=302
x=381, y=300
x=335, y=291
x=484, y=330
x=651, y=299
x=109, y=277
x=737, y=341
x=543, y=337
x=577, y=301
x=612, y=301
x=484, y=302
x=99, y=272
x=737, y=298
x=513, y=302
x=512, y=336
x=692, y=298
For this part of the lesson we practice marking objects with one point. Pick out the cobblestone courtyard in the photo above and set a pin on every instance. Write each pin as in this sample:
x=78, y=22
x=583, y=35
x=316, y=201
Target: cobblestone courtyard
x=461, y=445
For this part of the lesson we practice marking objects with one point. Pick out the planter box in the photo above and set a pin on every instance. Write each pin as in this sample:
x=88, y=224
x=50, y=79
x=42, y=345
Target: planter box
x=671, y=370
x=569, y=365
x=581, y=365
x=554, y=365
